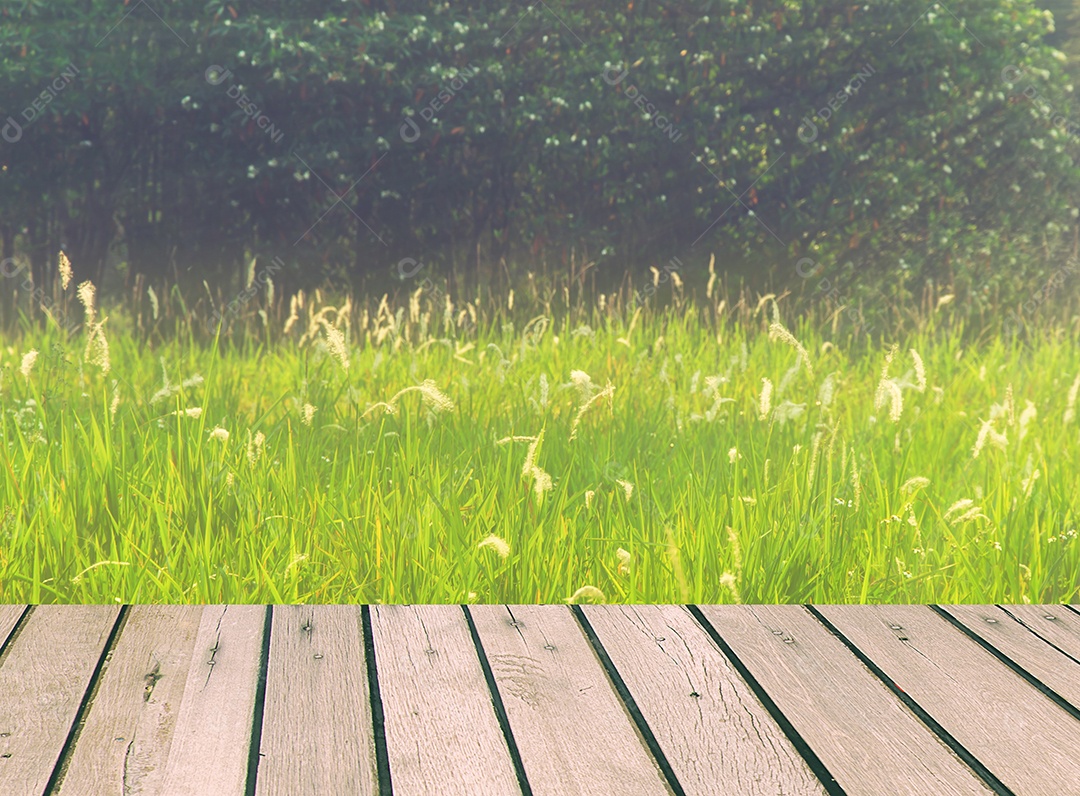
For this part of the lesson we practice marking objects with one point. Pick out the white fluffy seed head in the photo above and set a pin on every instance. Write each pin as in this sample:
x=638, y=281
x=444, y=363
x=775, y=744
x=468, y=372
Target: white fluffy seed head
x=219, y=434
x=1070, y=406
x=66, y=273
x=777, y=331
x=499, y=546
x=920, y=371
x=914, y=484
x=28, y=360
x=586, y=594
x=765, y=401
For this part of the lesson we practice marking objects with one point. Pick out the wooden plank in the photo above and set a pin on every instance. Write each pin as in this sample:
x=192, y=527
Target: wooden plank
x=571, y=728
x=43, y=679
x=317, y=732
x=124, y=743
x=1020, y=735
x=714, y=732
x=867, y=739
x=1055, y=623
x=212, y=738
x=439, y=719
x=1038, y=658
x=9, y=617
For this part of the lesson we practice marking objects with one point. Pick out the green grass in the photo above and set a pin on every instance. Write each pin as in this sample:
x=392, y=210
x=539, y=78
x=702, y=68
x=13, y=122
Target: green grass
x=362, y=505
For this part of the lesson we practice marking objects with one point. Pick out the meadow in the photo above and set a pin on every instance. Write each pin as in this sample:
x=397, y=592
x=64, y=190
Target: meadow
x=706, y=451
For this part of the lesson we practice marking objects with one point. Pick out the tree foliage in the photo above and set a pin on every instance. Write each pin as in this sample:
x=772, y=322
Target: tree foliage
x=885, y=145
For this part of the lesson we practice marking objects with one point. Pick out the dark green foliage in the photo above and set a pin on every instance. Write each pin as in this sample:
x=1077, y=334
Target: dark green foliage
x=931, y=167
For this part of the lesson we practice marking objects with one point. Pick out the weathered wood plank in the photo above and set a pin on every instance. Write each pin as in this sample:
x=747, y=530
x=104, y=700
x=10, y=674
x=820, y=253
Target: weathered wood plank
x=573, y=732
x=867, y=739
x=124, y=743
x=1055, y=623
x=9, y=617
x=1038, y=658
x=44, y=677
x=212, y=737
x=440, y=722
x=713, y=730
x=1020, y=735
x=316, y=733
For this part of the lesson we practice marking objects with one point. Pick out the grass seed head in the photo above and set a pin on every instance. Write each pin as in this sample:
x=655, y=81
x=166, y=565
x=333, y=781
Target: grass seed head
x=66, y=273
x=499, y=546
x=28, y=360
x=586, y=594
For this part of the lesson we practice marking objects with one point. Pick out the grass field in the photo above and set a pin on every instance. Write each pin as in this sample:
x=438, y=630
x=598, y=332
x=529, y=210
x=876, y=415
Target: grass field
x=409, y=455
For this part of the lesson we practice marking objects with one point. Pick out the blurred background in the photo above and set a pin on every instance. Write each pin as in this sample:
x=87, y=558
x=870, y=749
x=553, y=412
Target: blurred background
x=867, y=150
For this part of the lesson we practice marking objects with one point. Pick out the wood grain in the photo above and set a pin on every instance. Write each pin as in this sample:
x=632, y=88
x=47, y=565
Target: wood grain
x=573, y=732
x=867, y=739
x=439, y=718
x=212, y=737
x=1008, y=636
x=1055, y=623
x=45, y=675
x=1026, y=740
x=713, y=730
x=317, y=731
x=125, y=740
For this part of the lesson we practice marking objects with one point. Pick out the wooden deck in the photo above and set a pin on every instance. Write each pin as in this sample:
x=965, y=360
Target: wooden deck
x=238, y=700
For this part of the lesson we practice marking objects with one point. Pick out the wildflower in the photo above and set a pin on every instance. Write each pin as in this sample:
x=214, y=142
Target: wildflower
x=765, y=404
x=624, y=558
x=627, y=488
x=500, y=546
x=219, y=434
x=28, y=360
x=589, y=495
x=308, y=413
x=732, y=455
x=194, y=413
x=65, y=271
x=586, y=594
